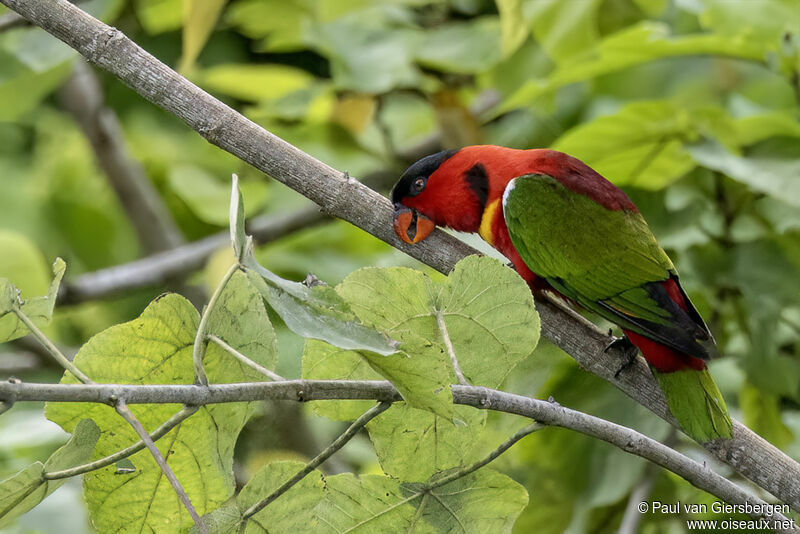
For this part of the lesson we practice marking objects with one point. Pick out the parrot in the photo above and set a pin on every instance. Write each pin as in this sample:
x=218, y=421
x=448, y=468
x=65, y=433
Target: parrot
x=568, y=230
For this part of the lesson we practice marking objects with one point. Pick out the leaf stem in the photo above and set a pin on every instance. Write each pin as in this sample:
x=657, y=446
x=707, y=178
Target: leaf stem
x=157, y=434
x=450, y=350
x=337, y=444
x=51, y=347
x=244, y=359
x=201, y=339
x=127, y=414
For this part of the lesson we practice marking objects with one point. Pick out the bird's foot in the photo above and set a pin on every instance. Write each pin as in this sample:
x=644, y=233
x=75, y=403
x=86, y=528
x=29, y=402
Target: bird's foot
x=630, y=351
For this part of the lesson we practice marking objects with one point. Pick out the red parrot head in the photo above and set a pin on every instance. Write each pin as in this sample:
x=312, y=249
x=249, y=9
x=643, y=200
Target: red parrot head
x=439, y=190
x=452, y=188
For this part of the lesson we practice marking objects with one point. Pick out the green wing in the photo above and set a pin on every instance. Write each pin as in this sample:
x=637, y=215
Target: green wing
x=608, y=261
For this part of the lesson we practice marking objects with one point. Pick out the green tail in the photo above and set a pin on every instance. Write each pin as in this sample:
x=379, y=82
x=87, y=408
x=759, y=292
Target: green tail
x=696, y=403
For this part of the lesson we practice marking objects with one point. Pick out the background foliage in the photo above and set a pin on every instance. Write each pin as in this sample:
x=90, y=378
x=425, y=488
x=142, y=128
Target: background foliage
x=690, y=105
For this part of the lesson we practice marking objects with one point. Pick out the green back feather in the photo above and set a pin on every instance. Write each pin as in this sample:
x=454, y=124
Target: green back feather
x=598, y=254
x=605, y=260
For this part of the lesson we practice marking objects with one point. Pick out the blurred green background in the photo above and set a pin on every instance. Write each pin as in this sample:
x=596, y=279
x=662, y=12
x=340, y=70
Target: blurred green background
x=690, y=105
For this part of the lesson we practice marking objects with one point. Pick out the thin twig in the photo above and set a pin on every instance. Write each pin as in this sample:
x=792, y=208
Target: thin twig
x=157, y=434
x=450, y=350
x=544, y=412
x=337, y=444
x=244, y=359
x=201, y=339
x=5, y=406
x=464, y=471
x=127, y=414
x=51, y=347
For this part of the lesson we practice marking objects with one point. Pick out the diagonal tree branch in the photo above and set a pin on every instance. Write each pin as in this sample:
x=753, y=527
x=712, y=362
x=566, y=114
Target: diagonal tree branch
x=346, y=198
x=543, y=412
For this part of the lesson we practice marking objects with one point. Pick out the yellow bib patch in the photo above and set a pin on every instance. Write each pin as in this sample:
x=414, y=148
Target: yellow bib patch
x=485, y=230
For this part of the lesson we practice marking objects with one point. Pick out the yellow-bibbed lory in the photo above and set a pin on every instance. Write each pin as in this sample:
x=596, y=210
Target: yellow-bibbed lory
x=567, y=229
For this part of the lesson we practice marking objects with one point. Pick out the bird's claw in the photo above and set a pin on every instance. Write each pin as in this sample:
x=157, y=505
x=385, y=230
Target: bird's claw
x=624, y=345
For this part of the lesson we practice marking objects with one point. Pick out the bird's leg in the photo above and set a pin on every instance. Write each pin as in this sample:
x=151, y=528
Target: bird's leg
x=624, y=345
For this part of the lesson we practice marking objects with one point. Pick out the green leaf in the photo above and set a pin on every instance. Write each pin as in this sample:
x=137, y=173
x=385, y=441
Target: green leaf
x=762, y=415
x=209, y=198
x=513, y=28
x=241, y=320
x=22, y=262
x=23, y=91
x=21, y=492
x=254, y=82
x=758, y=20
x=488, y=312
x=322, y=361
x=236, y=220
x=329, y=142
x=282, y=24
x=38, y=309
x=565, y=30
x=368, y=56
x=652, y=8
x=366, y=504
x=156, y=348
x=199, y=19
x=316, y=312
x=484, y=501
x=288, y=513
x=641, y=43
x=77, y=450
x=774, y=176
x=226, y=519
x=159, y=16
x=462, y=47
x=9, y=296
x=641, y=145
x=750, y=130
x=413, y=445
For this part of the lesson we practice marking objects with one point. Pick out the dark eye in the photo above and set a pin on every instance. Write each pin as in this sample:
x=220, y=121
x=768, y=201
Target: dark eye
x=418, y=185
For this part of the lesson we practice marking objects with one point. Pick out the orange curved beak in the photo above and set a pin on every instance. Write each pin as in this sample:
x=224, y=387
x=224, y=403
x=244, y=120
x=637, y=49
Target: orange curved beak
x=410, y=225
